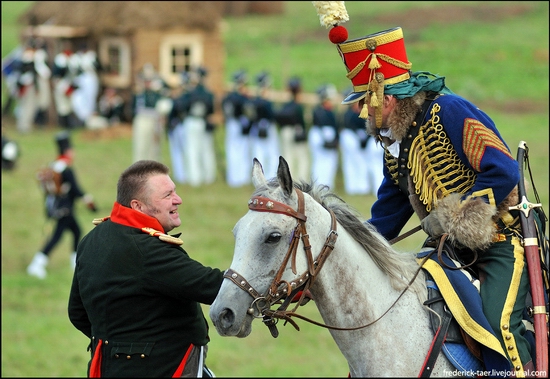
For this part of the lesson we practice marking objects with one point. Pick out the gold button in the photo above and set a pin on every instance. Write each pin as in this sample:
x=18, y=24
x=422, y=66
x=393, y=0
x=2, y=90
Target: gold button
x=414, y=123
x=128, y=357
x=117, y=356
x=514, y=358
x=510, y=347
x=518, y=368
x=505, y=327
x=106, y=342
x=142, y=355
x=508, y=337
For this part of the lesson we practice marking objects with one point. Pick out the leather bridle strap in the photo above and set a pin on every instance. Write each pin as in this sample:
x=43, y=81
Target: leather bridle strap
x=263, y=204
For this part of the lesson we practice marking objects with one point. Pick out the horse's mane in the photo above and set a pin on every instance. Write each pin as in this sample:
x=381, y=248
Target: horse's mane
x=400, y=267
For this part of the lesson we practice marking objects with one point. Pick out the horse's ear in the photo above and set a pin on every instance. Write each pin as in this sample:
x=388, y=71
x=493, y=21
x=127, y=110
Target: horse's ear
x=258, y=177
x=283, y=175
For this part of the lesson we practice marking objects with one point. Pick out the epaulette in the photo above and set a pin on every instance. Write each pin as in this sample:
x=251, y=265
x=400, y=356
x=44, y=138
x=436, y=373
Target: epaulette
x=97, y=221
x=162, y=236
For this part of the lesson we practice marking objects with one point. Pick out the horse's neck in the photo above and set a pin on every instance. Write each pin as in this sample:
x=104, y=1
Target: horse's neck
x=351, y=291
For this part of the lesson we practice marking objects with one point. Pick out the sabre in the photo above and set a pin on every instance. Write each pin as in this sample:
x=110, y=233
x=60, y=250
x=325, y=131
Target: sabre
x=531, y=247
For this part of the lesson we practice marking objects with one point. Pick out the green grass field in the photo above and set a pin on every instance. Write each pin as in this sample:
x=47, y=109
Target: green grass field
x=495, y=53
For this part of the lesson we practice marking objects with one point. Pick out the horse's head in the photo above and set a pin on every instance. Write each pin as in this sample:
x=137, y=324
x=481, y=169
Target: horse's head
x=269, y=264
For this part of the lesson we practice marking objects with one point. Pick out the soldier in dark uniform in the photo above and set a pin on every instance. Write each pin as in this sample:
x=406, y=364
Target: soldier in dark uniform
x=199, y=153
x=237, y=130
x=323, y=137
x=264, y=137
x=293, y=133
x=136, y=293
x=60, y=206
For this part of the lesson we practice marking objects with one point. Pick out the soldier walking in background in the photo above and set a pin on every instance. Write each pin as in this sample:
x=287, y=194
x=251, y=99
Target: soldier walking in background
x=61, y=189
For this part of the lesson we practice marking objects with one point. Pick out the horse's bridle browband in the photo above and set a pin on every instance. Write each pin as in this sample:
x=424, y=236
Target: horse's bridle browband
x=281, y=290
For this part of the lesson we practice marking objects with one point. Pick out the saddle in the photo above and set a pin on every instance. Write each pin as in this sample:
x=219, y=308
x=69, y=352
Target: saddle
x=442, y=314
x=453, y=296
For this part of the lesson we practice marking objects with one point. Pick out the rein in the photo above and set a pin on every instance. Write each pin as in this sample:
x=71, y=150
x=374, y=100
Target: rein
x=280, y=289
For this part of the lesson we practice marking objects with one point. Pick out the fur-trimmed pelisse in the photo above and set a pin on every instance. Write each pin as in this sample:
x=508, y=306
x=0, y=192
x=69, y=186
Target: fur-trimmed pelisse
x=471, y=222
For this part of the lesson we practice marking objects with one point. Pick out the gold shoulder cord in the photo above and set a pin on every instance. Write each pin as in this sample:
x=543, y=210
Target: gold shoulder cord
x=162, y=236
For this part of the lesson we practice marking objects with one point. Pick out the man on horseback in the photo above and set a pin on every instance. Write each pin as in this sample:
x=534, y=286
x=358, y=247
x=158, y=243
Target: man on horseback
x=446, y=161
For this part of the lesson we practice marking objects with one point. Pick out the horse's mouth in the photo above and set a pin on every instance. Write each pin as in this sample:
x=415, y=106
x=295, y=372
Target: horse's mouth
x=226, y=326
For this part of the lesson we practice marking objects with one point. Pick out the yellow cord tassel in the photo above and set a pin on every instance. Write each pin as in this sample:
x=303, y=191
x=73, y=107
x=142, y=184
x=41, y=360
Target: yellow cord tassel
x=364, y=112
x=374, y=64
x=374, y=100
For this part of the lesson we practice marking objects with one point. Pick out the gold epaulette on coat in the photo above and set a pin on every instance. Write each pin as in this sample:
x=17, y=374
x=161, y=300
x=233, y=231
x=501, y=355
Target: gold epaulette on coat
x=162, y=236
x=97, y=221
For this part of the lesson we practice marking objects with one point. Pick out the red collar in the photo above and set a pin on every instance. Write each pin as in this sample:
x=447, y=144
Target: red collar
x=130, y=217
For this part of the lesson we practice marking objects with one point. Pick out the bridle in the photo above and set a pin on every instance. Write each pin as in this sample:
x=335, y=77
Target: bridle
x=281, y=291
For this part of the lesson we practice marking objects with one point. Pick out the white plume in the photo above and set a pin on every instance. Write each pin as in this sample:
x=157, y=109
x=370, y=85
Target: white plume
x=331, y=12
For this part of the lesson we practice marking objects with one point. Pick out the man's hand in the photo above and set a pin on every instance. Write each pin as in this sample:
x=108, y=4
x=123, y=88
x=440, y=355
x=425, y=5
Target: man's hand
x=432, y=226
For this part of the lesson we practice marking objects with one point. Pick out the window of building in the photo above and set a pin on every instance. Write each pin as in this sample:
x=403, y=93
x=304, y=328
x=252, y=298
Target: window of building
x=114, y=55
x=179, y=53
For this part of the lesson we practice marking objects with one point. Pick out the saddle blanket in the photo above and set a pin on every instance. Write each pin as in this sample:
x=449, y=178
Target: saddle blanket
x=464, y=302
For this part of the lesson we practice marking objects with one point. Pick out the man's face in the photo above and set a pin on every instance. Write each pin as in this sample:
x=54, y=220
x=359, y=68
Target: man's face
x=162, y=201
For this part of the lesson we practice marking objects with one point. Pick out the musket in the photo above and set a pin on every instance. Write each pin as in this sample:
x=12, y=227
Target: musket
x=532, y=255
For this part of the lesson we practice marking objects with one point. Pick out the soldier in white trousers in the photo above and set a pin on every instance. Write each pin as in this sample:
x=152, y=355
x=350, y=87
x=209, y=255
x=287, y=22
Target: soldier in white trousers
x=149, y=107
x=293, y=133
x=199, y=153
x=323, y=138
x=237, y=131
x=264, y=137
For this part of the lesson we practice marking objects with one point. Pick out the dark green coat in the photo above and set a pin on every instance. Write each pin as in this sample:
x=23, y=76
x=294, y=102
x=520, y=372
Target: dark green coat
x=142, y=297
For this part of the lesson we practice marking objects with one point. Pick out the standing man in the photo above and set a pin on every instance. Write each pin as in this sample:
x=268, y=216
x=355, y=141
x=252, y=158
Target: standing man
x=199, y=153
x=43, y=80
x=293, y=133
x=324, y=138
x=136, y=293
x=176, y=131
x=445, y=161
x=264, y=138
x=26, y=89
x=64, y=72
x=61, y=189
x=353, y=143
x=148, y=109
x=237, y=130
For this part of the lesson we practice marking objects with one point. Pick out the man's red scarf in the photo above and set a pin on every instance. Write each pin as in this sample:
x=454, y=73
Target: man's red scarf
x=132, y=218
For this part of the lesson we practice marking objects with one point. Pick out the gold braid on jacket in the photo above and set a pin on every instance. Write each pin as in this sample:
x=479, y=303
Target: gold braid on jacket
x=435, y=168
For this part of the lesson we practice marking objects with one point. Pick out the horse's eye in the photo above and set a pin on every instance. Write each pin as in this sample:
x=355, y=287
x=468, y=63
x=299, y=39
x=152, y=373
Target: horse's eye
x=273, y=237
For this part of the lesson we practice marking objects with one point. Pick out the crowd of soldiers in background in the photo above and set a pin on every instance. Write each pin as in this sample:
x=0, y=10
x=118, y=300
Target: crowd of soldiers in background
x=315, y=145
x=314, y=141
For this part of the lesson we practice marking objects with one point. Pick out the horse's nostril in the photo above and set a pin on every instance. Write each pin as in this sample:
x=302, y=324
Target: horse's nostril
x=227, y=318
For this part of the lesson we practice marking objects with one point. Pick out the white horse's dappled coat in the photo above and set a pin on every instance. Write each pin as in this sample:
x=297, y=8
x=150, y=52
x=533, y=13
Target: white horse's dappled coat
x=356, y=285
